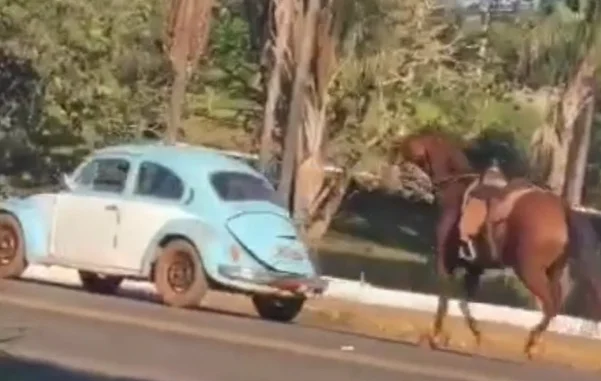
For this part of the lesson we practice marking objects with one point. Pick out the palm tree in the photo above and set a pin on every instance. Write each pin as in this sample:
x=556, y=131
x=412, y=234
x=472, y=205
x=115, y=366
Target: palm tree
x=568, y=43
x=187, y=34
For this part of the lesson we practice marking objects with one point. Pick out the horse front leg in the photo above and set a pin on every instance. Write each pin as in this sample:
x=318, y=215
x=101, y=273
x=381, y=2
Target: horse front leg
x=471, y=283
x=437, y=335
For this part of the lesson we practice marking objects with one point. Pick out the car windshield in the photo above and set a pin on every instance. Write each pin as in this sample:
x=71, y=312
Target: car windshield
x=239, y=186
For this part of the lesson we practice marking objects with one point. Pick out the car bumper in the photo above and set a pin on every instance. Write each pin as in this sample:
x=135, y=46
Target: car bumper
x=292, y=283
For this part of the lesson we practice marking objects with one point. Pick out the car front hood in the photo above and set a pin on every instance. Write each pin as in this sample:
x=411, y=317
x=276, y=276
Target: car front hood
x=271, y=238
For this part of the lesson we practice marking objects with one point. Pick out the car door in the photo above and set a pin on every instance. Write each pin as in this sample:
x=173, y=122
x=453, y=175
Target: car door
x=156, y=198
x=86, y=218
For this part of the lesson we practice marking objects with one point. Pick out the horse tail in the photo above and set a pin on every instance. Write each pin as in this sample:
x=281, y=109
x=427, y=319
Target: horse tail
x=584, y=250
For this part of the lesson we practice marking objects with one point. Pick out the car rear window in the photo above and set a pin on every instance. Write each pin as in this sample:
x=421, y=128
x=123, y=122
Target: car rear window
x=239, y=186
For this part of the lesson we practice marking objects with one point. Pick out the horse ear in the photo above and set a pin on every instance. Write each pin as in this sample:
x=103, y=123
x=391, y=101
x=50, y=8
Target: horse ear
x=485, y=192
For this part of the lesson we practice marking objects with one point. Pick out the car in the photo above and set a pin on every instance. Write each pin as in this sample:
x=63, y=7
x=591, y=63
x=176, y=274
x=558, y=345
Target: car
x=186, y=218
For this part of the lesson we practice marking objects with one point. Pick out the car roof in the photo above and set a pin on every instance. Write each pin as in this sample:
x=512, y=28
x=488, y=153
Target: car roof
x=187, y=160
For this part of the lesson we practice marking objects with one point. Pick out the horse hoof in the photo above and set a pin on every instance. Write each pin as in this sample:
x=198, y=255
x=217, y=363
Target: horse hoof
x=443, y=339
x=434, y=341
x=477, y=340
x=534, y=350
x=424, y=340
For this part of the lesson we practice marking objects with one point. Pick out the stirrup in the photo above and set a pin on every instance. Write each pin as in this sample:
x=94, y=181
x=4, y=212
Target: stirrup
x=467, y=253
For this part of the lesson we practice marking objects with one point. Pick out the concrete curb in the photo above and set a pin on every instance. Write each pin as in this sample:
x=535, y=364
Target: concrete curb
x=367, y=294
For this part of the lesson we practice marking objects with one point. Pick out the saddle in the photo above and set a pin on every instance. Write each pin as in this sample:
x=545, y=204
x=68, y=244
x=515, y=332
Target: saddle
x=487, y=204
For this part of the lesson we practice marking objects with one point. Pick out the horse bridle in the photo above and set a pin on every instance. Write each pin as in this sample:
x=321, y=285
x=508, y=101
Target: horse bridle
x=454, y=178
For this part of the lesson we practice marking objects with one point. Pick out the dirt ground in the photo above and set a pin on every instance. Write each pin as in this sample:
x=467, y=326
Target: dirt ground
x=499, y=341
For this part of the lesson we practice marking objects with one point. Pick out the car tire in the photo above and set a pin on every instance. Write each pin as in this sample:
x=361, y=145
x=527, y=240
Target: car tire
x=12, y=247
x=100, y=284
x=179, y=262
x=278, y=309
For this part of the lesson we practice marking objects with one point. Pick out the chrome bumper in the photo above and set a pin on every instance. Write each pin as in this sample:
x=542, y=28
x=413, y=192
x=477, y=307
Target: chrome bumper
x=294, y=283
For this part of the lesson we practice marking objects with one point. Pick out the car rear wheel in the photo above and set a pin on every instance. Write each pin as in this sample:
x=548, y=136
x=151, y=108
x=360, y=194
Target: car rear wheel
x=98, y=283
x=179, y=276
x=12, y=248
x=277, y=308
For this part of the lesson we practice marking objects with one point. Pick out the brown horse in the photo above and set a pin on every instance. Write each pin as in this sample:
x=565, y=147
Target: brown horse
x=537, y=236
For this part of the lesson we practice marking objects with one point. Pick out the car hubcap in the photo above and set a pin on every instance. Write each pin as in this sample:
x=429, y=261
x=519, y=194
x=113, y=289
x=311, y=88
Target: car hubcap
x=8, y=244
x=180, y=274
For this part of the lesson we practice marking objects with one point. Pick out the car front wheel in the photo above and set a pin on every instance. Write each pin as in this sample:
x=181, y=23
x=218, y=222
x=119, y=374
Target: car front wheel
x=12, y=248
x=277, y=308
x=100, y=284
x=179, y=276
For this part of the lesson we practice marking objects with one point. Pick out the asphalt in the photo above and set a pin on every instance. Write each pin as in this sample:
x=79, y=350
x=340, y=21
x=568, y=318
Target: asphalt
x=52, y=333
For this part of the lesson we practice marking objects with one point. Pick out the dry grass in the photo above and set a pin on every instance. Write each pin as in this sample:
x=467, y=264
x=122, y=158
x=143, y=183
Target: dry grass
x=202, y=131
x=499, y=341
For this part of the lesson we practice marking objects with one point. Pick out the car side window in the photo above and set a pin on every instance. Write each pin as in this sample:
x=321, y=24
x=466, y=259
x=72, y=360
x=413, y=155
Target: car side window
x=155, y=180
x=110, y=175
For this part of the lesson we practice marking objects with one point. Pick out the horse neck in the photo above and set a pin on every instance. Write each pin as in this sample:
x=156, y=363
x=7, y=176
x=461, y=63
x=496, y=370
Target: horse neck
x=450, y=192
x=447, y=165
x=451, y=169
x=451, y=195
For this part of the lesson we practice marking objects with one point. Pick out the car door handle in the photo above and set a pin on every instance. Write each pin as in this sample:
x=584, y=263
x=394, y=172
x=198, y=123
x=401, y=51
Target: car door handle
x=112, y=208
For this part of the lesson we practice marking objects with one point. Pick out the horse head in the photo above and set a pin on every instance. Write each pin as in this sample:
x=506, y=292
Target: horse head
x=433, y=153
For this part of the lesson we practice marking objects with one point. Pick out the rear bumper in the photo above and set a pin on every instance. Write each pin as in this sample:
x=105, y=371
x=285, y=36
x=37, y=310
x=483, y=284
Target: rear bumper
x=292, y=283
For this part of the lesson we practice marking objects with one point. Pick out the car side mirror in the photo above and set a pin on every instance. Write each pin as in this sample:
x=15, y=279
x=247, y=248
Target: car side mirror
x=66, y=182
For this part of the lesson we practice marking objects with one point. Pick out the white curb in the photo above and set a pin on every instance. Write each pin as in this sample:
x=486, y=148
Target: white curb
x=366, y=294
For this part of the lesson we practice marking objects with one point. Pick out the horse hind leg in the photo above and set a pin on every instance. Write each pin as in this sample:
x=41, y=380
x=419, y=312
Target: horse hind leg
x=546, y=285
x=436, y=336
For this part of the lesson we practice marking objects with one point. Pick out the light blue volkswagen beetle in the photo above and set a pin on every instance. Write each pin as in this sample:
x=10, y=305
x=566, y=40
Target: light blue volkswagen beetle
x=187, y=218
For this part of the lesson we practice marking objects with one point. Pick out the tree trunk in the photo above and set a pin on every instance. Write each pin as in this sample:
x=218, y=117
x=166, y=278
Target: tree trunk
x=579, y=155
x=256, y=12
x=295, y=115
x=178, y=93
x=284, y=10
x=573, y=101
x=188, y=26
x=334, y=195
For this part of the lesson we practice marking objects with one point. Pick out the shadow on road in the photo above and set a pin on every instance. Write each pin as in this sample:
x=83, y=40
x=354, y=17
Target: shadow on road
x=18, y=369
x=137, y=295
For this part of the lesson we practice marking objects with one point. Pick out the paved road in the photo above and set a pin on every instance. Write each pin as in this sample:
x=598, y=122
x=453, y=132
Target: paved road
x=132, y=339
